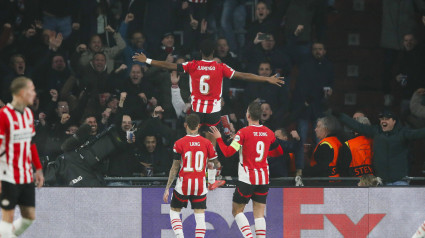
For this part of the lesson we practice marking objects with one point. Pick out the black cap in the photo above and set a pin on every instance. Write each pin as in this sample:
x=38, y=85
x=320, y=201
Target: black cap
x=167, y=34
x=387, y=113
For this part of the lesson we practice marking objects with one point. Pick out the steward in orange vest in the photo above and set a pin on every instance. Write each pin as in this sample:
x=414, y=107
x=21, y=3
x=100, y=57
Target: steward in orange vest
x=357, y=152
x=325, y=156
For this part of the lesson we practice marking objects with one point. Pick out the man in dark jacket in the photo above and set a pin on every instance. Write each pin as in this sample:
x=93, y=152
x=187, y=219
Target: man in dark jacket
x=390, y=145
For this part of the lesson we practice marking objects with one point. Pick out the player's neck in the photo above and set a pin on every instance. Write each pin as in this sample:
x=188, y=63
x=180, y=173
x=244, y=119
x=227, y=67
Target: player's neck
x=209, y=58
x=18, y=104
x=253, y=123
x=192, y=133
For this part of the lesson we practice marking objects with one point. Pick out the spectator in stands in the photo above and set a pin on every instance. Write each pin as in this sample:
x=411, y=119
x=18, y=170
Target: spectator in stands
x=84, y=55
x=139, y=94
x=168, y=49
x=136, y=43
x=284, y=165
x=277, y=97
x=124, y=163
x=92, y=122
x=390, y=145
x=263, y=24
x=163, y=80
x=233, y=20
x=314, y=84
x=356, y=154
x=226, y=56
x=193, y=22
x=411, y=70
x=324, y=161
x=95, y=77
x=398, y=19
x=61, y=16
x=18, y=67
x=369, y=180
x=417, y=109
x=298, y=28
x=267, y=50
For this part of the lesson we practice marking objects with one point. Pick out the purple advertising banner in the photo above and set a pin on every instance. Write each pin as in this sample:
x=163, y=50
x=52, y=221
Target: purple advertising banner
x=220, y=222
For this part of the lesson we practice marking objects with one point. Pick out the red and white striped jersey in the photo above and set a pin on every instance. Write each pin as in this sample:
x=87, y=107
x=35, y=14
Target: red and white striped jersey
x=194, y=152
x=253, y=143
x=16, y=132
x=206, y=84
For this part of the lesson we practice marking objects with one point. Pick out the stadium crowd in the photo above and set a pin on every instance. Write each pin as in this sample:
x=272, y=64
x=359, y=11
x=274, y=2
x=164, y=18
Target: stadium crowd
x=79, y=55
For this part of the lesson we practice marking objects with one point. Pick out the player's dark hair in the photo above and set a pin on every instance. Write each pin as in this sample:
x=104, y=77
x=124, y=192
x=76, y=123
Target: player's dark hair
x=254, y=110
x=192, y=121
x=207, y=47
x=18, y=84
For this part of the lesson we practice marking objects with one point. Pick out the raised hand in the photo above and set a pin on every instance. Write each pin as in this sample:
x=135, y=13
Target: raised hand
x=54, y=94
x=109, y=29
x=175, y=78
x=139, y=57
x=215, y=132
x=55, y=41
x=129, y=17
x=276, y=80
x=157, y=111
x=81, y=48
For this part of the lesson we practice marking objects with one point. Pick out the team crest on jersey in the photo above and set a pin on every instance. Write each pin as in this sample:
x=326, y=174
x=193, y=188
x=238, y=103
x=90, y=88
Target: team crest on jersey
x=5, y=202
x=237, y=138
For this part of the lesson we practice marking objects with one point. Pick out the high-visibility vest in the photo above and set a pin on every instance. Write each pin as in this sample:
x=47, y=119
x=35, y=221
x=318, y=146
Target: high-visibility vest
x=334, y=144
x=361, y=154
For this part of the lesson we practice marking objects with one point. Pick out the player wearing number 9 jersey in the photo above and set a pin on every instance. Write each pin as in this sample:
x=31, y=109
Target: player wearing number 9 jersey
x=191, y=154
x=253, y=143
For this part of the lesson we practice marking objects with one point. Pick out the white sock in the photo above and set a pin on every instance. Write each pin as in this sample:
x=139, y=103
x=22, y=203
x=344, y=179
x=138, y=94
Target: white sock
x=420, y=233
x=6, y=229
x=200, y=225
x=176, y=223
x=243, y=225
x=211, y=175
x=260, y=227
x=20, y=225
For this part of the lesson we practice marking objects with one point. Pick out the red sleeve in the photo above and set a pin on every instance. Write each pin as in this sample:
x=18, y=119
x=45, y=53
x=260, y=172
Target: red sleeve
x=227, y=71
x=212, y=154
x=3, y=128
x=35, y=157
x=227, y=150
x=276, y=152
x=187, y=66
x=176, y=148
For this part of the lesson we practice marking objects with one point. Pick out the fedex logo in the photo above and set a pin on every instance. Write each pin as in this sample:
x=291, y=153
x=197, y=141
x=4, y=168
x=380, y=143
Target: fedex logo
x=294, y=220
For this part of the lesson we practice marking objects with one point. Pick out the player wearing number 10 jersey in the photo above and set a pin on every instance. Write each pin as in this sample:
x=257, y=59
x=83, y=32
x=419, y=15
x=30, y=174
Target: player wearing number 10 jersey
x=253, y=143
x=191, y=154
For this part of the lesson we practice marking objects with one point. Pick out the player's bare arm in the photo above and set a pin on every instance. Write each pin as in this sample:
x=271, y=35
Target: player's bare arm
x=173, y=172
x=140, y=57
x=278, y=81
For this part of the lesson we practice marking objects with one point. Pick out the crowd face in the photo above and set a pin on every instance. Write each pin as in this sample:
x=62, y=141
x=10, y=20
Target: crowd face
x=99, y=63
x=261, y=11
x=150, y=143
x=267, y=112
x=168, y=41
x=113, y=105
x=358, y=115
x=138, y=40
x=62, y=108
x=409, y=42
x=18, y=65
x=222, y=47
x=72, y=130
x=321, y=131
x=126, y=123
x=58, y=63
x=318, y=51
x=28, y=94
x=95, y=44
x=136, y=74
x=264, y=70
x=91, y=121
x=387, y=124
x=103, y=97
x=269, y=43
x=279, y=134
